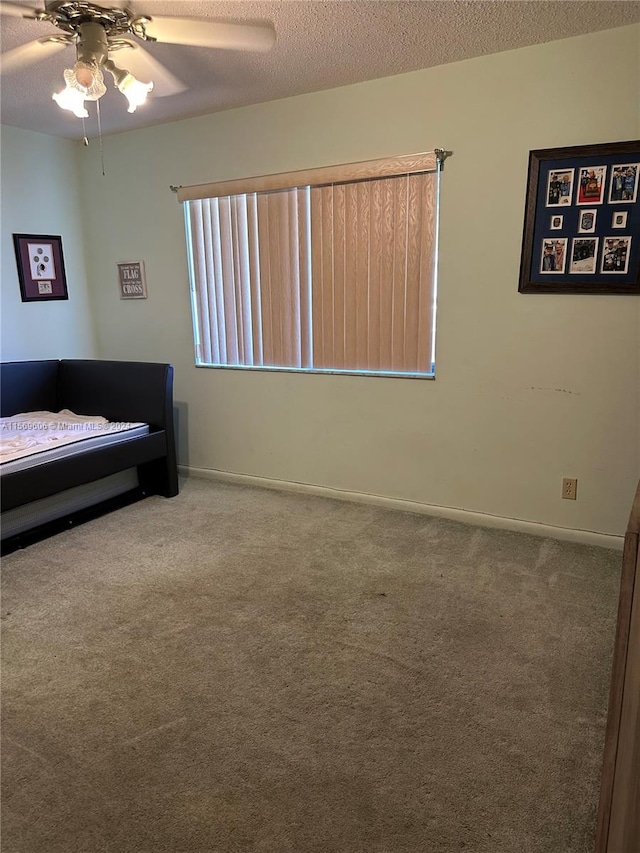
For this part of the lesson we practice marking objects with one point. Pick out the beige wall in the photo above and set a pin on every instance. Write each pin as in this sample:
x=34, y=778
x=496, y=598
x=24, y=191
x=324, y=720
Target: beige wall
x=529, y=388
x=40, y=196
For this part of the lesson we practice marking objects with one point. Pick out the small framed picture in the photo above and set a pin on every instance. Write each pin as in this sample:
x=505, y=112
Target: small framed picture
x=623, y=188
x=41, y=271
x=619, y=219
x=584, y=251
x=587, y=221
x=553, y=255
x=556, y=223
x=591, y=184
x=615, y=255
x=131, y=280
x=560, y=187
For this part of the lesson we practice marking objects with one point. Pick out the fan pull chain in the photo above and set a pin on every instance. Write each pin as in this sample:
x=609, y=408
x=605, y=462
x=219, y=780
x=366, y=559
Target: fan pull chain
x=85, y=141
x=100, y=138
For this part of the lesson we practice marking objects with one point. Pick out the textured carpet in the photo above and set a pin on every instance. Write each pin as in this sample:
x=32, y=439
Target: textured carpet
x=246, y=670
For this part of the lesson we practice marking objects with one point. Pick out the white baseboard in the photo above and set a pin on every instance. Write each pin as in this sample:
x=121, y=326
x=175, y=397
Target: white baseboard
x=585, y=537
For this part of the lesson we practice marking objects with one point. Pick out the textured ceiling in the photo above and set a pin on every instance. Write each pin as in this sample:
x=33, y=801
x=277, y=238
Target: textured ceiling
x=319, y=45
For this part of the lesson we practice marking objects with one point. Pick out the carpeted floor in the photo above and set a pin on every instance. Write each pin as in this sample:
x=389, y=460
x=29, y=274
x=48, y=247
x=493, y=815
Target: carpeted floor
x=246, y=670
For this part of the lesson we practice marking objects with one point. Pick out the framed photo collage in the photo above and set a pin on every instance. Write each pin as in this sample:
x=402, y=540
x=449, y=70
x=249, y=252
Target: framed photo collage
x=582, y=220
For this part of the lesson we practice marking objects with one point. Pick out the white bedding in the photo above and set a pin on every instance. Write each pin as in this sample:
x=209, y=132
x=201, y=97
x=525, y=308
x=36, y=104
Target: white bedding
x=33, y=437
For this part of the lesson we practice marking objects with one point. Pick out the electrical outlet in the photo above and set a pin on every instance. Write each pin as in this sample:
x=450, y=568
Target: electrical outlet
x=569, y=488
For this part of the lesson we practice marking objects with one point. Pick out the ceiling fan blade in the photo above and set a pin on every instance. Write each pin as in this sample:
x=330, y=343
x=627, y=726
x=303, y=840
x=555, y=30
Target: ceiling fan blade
x=13, y=10
x=27, y=54
x=147, y=68
x=260, y=37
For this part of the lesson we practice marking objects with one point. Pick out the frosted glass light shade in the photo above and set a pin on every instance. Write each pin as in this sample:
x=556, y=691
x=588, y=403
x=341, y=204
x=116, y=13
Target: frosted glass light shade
x=87, y=79
x=134, y=91
x=71, y=99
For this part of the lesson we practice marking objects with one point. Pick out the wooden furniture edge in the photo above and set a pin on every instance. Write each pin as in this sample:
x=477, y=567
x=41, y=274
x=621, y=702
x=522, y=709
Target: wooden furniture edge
x=629, y=575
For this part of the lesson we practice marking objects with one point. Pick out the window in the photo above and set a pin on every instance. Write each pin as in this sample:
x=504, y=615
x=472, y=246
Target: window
x=330, y=270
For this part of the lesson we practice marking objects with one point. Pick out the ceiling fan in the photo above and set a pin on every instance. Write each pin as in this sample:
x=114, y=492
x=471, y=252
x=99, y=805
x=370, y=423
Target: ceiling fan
x=96, y=32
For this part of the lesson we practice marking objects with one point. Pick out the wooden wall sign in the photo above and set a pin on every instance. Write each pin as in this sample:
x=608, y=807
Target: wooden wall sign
x=131, y=280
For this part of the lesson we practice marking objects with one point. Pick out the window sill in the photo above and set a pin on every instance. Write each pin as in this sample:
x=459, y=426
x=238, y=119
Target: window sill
x=388, y=374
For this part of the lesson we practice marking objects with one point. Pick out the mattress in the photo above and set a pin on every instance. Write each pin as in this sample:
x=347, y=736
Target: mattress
x=33, y=438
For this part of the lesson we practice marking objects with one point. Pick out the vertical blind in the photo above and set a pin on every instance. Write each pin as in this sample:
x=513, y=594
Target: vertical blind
x=251, y=277
x=335, y=276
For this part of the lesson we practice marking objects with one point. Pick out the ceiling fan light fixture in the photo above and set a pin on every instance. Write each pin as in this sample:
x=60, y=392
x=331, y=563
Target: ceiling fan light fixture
x=95, y=31
x=134, y=90
x=87, y=79
x=71, y=99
